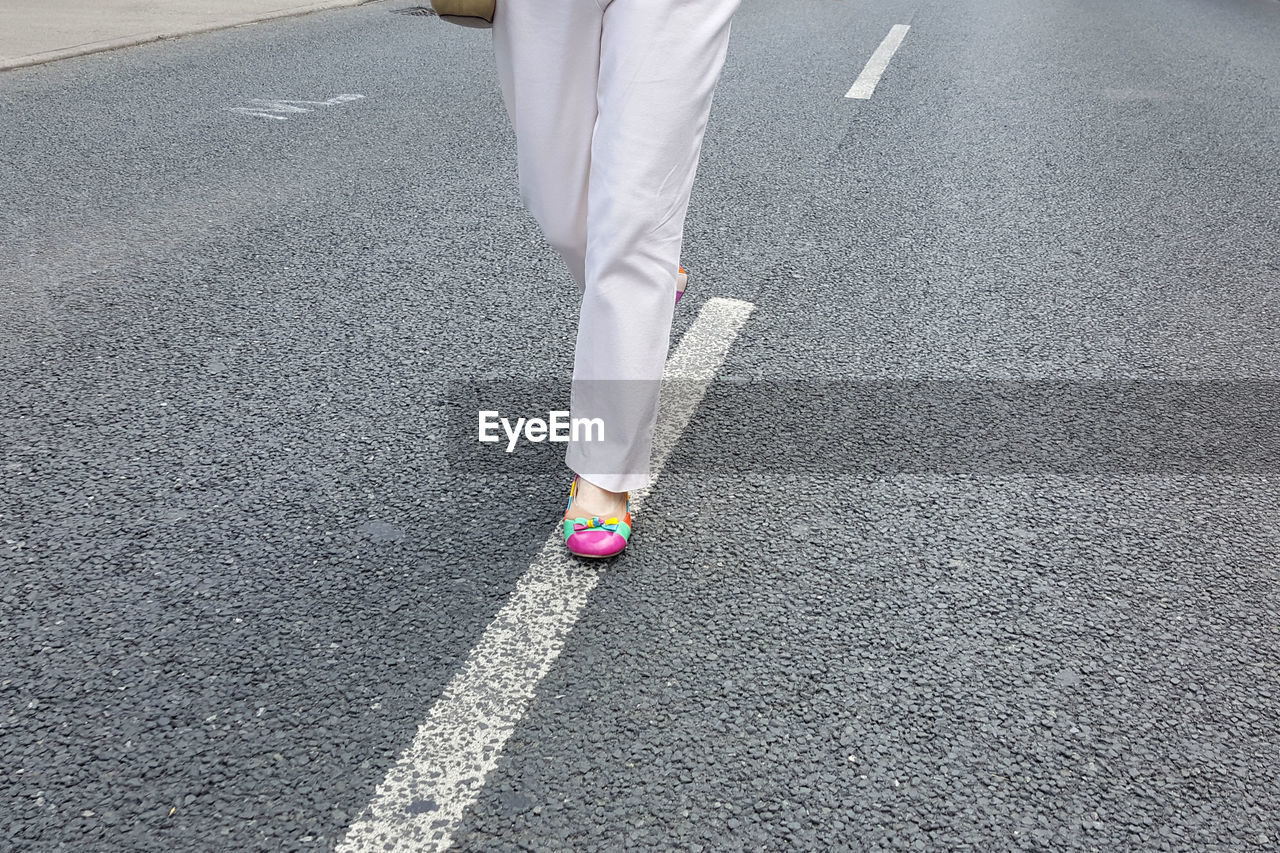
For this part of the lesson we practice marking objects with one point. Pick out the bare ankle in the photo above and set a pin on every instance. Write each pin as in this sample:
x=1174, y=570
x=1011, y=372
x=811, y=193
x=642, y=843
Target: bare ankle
x=589, y=497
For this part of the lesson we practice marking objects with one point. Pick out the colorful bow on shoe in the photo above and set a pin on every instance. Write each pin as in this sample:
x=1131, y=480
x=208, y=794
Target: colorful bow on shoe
x=595, y=523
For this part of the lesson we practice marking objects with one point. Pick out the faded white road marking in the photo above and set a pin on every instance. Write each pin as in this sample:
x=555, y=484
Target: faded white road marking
x=420, y=803
x=270, y=108
x=879, y=61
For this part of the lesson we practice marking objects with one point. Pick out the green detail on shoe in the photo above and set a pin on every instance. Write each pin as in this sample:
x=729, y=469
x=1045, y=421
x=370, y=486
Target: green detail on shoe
x=616, y=525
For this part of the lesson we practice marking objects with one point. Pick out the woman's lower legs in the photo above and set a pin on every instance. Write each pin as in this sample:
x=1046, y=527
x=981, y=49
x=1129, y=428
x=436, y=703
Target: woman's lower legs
x=659, y=64
x=609, y=100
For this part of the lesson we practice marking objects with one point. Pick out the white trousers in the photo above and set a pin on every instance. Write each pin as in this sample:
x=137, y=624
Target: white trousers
x=609, y=100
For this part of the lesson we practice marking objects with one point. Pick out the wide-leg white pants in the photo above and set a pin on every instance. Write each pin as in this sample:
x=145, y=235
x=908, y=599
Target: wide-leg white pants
x=609, y=100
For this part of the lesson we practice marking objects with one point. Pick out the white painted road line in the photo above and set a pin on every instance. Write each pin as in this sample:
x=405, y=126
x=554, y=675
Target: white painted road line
x=269, y=108
x=879, y=61
x=420, y=803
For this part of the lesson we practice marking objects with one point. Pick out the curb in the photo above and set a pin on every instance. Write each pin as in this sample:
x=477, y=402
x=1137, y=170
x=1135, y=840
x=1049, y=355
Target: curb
x=144, y=38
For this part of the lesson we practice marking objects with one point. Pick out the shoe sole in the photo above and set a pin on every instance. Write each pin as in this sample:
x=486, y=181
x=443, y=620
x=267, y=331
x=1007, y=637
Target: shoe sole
x=593, y=556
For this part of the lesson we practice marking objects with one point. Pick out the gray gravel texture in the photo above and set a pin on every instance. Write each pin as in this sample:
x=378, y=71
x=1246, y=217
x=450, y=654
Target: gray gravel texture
x=237, y=570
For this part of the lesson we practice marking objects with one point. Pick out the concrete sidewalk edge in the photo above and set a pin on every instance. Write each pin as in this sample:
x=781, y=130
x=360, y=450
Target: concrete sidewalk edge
x=159, y=35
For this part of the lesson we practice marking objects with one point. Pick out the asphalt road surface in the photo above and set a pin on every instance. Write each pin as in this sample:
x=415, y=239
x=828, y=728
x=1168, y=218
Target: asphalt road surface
x=241, y=563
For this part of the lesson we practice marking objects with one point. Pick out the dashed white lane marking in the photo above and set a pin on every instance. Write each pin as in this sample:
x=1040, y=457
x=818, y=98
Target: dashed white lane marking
x=420, y=803
x=879, y=61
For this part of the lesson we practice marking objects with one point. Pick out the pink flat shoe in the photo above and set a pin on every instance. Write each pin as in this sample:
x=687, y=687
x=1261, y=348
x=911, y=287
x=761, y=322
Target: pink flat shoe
x=595, y=537
x=682, y=281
